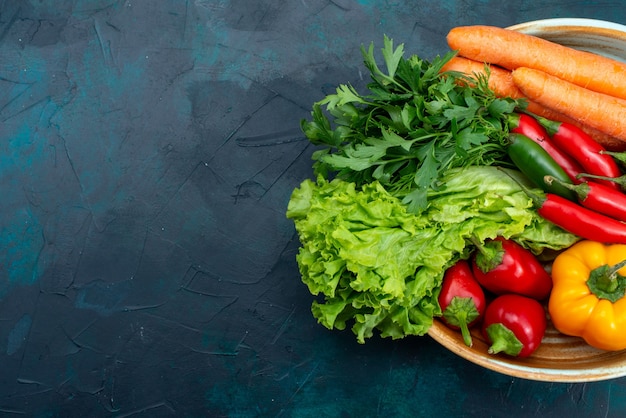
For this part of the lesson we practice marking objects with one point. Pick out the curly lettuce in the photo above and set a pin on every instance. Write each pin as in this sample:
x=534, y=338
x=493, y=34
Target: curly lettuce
x=376, y=266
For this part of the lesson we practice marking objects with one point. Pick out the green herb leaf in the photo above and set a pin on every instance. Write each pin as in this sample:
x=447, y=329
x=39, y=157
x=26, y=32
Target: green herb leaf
x=392, y=56
x=411, y=125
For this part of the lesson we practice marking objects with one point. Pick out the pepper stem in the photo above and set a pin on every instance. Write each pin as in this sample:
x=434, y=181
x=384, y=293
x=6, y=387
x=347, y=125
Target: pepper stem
x=606, y=283
x=503, y=340
x=619, y=156
x=490, y=254
x=550, y=126
x=581, y=190
x=621, y=180
x=513, y=120
x=461, y=312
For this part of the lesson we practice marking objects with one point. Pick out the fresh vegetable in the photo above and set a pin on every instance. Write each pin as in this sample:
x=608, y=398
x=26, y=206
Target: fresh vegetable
x=503, y=266
x=512, y=49
x=588, y=298
x=607, y=141
x=598, y=197
x=584, y=149
x=529, y=126
x=514, y=325
x=578, y=220
x=461, y=299
x=414, y=125
x=379, y=267
x=597, y=110
x=535, y=162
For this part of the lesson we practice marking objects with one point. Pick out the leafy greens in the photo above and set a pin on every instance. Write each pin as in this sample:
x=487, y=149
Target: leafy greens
x=378, y=266
x=414, y=124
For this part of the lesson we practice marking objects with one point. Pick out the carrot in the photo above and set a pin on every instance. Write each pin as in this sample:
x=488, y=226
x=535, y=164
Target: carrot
x=511, y=49
x=595, y=110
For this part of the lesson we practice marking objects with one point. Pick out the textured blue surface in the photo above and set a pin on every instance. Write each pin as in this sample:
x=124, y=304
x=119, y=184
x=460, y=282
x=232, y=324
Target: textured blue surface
x=147, y=153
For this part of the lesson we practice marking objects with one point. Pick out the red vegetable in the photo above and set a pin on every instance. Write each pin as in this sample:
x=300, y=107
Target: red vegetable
x=462, y=300
x=598, y=197
x=579, y=220
x=527, y=125
x=514, y=325
x=503, y=266
x=583, y=148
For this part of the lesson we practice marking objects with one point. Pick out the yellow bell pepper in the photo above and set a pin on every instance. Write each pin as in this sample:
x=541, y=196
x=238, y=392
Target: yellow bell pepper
x=588, y=294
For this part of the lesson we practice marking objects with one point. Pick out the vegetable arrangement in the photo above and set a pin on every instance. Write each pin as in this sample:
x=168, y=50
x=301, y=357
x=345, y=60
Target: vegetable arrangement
x=446, y=189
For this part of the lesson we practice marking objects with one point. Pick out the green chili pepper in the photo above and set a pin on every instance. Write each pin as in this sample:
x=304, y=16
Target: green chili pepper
x=535, y=163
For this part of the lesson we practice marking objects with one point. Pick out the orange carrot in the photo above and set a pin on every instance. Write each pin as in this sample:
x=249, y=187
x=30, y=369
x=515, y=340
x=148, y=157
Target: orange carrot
x=596, y=110
x=511, y=49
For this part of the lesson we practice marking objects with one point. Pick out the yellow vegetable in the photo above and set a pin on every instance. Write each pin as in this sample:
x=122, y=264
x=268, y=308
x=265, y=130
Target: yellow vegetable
x=588, y=295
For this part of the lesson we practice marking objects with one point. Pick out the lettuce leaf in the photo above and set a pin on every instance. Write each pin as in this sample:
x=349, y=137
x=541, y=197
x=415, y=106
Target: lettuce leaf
x=375, y=266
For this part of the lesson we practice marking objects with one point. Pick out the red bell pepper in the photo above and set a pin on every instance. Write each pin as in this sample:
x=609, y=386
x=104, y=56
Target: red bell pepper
x=514, y=325
x=504, y=266
x=461, y=299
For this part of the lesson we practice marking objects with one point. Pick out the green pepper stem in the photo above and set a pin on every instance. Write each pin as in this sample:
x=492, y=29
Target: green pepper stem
x=489, y=255
x=465, y=332
x=503, y=340
x=581, y=190
x=619, y=156
x=621, y=180
x=461, y=312
x=550, y=126
x=606, y=283
x=512, y=120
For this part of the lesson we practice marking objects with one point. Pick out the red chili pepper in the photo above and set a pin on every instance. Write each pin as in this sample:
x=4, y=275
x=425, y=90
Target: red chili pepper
x=529, y=126
x=514, y=325
x=461, y=299
x=503, y=266
x=576, y=219
x=581, y=221
x=583, y=148
x=598, y=197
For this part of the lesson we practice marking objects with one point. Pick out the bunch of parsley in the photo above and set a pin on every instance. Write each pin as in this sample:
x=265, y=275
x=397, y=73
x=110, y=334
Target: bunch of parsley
x=413, y=125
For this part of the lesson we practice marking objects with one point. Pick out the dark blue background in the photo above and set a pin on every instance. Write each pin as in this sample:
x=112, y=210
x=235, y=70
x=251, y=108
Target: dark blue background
x=148, y=151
